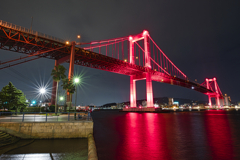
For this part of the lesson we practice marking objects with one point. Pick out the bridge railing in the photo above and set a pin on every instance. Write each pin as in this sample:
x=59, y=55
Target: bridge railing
x=44, y=116
x=26, y=30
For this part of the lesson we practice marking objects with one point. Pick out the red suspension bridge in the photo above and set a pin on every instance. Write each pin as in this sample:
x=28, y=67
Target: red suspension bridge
x=137, y=56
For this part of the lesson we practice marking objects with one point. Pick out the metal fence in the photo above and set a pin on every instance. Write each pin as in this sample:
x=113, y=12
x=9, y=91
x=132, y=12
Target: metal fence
x=44, y=116
x=26, y=30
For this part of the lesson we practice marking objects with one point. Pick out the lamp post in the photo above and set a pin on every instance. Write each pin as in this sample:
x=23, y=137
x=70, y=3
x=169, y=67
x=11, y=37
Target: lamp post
x=61, y=98
x=76, y=81
x=42, y=91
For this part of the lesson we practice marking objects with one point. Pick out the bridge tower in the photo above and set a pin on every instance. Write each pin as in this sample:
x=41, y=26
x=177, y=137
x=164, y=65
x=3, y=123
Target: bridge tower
x=147, y=75
x=217, y=92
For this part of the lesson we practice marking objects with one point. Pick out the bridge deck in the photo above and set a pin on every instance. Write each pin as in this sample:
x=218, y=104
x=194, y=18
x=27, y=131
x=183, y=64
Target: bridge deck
x=18, y=39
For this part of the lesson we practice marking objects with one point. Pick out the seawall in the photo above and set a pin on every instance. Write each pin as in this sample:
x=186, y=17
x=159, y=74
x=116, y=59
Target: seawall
x=43, y=130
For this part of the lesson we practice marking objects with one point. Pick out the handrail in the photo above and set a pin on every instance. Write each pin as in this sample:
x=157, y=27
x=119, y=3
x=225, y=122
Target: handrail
x=26, y=30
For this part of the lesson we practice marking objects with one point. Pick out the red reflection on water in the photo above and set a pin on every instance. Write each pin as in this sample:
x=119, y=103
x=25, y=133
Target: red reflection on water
x=142, y=136
x=219, y=135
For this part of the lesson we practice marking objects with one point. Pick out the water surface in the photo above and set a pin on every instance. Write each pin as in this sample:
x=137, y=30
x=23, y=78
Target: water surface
x=202, y=135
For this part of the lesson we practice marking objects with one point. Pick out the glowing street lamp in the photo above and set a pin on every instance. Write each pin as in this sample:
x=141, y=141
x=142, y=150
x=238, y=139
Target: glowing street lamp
x=76, y=81
x=61, y=98
x=42, y=92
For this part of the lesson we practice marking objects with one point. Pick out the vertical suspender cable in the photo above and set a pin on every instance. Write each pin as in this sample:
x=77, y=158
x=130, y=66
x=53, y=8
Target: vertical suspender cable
x=154, y=56
x=115, y=50
x=139, y=56
x=143, y=57
x=128, y=52
x=99, y=48
x=157, y=59
x=118, y=50
x=122, y=51
x=160, y=59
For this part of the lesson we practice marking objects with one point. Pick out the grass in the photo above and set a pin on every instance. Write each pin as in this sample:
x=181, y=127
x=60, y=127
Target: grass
x=58, y=114
x=44, y=114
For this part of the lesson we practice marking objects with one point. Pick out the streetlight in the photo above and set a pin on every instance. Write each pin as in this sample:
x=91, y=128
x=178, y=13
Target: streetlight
x=61, y=99
x=42, y=92
x=76, y=81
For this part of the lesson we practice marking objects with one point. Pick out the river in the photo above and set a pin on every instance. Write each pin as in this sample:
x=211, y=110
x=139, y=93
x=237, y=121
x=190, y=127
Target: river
x=204, y=135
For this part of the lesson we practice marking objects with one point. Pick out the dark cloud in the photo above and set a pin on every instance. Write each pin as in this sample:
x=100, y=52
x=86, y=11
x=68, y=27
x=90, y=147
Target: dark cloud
x=200, y=37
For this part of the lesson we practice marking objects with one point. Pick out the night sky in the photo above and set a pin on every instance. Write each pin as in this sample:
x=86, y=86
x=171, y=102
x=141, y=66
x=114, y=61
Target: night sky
x=202, y=38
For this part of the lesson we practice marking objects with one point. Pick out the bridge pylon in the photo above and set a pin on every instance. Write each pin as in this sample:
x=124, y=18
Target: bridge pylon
x=217, y=94
x=146, y=75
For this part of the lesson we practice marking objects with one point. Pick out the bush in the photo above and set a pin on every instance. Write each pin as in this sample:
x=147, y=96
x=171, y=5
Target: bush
x=52, y=108
x=71, y=110
x=13, y=111
x=34, y=109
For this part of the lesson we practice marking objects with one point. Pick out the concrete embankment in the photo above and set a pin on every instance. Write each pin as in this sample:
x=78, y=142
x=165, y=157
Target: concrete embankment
x=92, y=151
x=42, y=130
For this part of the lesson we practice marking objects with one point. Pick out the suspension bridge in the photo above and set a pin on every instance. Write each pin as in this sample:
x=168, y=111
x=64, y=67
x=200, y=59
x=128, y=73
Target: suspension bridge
x=137, y=56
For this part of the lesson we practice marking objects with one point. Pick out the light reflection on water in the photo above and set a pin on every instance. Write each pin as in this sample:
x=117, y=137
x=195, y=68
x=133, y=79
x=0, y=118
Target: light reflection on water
x=182, y=135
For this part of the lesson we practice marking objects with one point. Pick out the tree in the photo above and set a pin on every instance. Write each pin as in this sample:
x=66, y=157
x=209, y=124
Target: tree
x=3, y=99
x=58, y=74
x=12, y=98
x=68, y=86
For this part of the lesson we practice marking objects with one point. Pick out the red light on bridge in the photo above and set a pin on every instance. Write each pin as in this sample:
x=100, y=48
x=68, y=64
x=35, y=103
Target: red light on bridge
x=130, y=38
x=145, y=32
x=214, y=78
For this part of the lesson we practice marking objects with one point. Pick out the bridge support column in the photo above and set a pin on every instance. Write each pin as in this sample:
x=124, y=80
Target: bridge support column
x=148, y=74
x=209, y=101
x=149, y=90
x=70, y=72
x=54, y=87
x=217, y=102
x=132, y=92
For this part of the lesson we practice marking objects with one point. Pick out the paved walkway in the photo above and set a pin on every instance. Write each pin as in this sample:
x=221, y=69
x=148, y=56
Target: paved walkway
x=43, y=118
